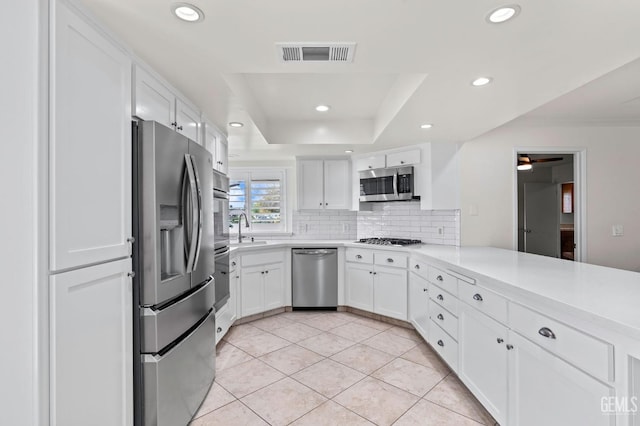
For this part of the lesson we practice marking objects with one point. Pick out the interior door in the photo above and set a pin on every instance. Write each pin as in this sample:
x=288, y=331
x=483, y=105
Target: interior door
x=541, y=219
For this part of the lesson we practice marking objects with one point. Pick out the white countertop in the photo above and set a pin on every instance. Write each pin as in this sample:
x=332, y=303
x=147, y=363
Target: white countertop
x=610, y=296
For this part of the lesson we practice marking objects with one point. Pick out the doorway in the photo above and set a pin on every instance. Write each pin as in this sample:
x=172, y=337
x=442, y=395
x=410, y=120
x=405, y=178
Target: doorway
x=549, y=207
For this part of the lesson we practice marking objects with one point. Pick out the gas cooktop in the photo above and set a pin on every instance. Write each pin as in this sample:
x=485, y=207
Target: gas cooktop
x=389, y=241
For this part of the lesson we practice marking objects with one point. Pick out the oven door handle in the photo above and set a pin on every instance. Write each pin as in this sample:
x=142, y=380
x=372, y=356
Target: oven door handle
x=395, y=184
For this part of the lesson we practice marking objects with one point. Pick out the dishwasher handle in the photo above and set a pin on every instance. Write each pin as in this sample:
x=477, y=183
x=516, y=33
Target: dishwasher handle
x=313, y=252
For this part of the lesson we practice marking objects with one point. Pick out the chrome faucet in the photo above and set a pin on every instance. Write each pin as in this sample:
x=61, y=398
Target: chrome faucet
x=246, y=224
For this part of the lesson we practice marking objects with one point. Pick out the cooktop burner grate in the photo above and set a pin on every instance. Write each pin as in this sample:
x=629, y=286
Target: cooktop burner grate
x=389, y=241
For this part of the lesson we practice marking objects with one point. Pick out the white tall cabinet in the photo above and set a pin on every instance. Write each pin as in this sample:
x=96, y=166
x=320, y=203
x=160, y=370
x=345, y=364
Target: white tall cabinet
x=90, y=286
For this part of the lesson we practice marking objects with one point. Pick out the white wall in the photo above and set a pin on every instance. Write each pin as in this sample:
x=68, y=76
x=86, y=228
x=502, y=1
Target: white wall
x=19, y=134
x=487, y=180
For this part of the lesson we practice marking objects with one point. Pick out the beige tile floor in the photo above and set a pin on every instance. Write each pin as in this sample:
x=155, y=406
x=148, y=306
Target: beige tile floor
x=333, y=368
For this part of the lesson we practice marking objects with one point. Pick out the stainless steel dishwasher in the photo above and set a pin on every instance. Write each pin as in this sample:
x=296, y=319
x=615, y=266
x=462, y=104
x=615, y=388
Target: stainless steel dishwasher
x=314, y=277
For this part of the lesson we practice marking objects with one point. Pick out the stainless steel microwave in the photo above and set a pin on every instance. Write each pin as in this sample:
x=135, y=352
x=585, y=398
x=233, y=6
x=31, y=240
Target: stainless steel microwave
x=392, y=184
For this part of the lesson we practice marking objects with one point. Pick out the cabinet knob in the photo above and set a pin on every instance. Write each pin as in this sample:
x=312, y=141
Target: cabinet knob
x=179, y=128
x=440, y=297
x=401, y=162
x=233, y=263
x=375, y=273
x=509, y=347
x=131, y=240
x=389, y=260
x=326, y=204
x=219, y=329
x=262, y=272
x=440, y=343
x=477, y=297
x=358, y=256
x=370, y=272
x=424, y=289
x=266, y=272
x=440, y=317
x=439, y=278
x=417, y=266
x=546, y=332
x=320, y=203
x=174, y=124
x=371, y=167
x=499, y=340
x=131, y=274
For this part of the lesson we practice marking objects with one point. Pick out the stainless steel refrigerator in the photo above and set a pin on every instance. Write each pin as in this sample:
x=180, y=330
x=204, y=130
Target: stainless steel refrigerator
x=174, y=294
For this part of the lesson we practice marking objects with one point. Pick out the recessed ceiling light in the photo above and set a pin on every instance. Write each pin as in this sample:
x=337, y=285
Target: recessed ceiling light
x=426, y=126
x=348, y=151
x=187, y=12
x=481, y=81
x=323, y=108
x=235, y=124
x=503, y=14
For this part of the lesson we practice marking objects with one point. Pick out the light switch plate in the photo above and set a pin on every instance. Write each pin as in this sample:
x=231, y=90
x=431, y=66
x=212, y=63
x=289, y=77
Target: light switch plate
x=617, y=230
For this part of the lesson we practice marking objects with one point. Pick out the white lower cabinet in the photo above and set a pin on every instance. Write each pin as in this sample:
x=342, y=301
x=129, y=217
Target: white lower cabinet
x=359, y=282
x=545, y=390
x=91, y=345
x=482, y=360
x=419, y=304
x=390, y=292
x=262, y=288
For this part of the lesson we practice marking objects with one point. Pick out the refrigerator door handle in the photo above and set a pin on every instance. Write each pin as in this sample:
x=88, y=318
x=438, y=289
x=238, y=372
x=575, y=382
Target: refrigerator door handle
x=199, y=223
x=190, y=212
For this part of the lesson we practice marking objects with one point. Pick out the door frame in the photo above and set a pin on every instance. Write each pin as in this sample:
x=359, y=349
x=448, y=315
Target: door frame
x=579, y=192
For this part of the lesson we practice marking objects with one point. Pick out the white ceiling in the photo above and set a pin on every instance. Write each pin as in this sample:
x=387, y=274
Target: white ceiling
x=413, y=63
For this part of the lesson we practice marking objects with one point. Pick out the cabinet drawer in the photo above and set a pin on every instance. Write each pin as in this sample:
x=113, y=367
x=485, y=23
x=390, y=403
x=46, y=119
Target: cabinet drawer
x=444, y=280
x=444, y=319
x=262, y=258
x=359, y=255
x=419, y=267
x=444, y=299
x=386, y=258
x=582, y=350
x=446, y=347
x=484, y=300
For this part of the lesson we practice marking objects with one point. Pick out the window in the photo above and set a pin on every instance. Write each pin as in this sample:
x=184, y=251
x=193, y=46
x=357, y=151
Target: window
x=260, y=195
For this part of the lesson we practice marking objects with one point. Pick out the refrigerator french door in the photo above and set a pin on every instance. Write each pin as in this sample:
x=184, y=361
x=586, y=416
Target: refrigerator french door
x=174, y=289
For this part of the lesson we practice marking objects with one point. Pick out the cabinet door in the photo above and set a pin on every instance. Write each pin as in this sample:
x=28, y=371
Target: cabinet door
x=222, y=155
x=359, y=282
x=209, y=140
x=418, y=304
x=91, y=345
x=233, y=295
x=252, y=290
x=153, y=100
x=273, y=286
x=310, y=184
x=90, y=145
x=188, y=121
x=337, y=186
x=371, y=162
x=482, y=361
x=544, y=390
x=404, y=158
x=390, y=292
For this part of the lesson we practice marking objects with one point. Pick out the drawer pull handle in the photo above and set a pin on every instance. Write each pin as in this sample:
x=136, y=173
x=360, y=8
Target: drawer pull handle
x=545, y=332
x=417, y=266
x=358, y=256
x=440, y=297
x=390, y=260
x=499, y=340
x=440, y=343
x=509, y=347
x=440, y=317
x=477, y=297
x=439, y=278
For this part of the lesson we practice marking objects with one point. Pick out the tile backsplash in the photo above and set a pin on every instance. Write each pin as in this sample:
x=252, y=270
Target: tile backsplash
x=392, y=219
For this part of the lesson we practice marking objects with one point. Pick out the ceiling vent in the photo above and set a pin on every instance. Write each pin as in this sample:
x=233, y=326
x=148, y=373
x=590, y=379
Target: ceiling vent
x=315, y=52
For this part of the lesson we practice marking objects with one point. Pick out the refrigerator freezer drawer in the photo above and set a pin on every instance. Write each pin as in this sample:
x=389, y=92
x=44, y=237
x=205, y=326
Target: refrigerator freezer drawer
x=176, y=383
x=160, y=327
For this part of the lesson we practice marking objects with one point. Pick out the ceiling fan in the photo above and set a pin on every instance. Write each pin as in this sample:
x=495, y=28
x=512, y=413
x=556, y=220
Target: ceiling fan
x=526, y=163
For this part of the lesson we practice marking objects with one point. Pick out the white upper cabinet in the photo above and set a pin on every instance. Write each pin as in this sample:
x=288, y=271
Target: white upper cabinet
x=370, y=162
x=90, y=145
x=216, y=143
x=404, y=158
x=154, y=100
x=324, y=184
